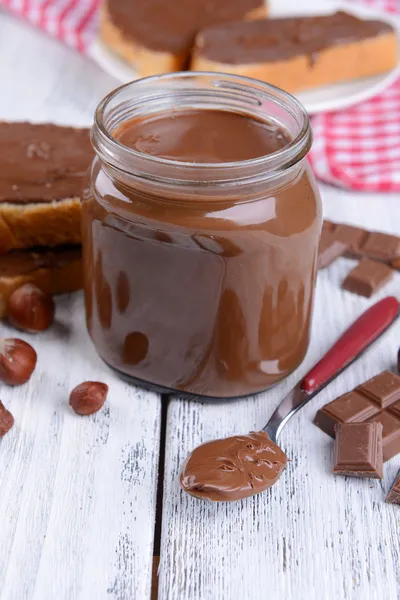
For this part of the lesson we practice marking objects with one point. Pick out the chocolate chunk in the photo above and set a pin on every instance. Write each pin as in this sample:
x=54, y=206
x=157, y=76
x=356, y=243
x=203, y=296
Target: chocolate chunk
x=395, y=408
x=376, y=401
x=383, y=388
x=391, y=433
x=330, y=249
x=327, y=226
x=367, y=244
x=358, y=450
x=396, y=264
x=394, y=492
x=354, y=236
x=349, y=408
x=367, y=277
x=381, y=246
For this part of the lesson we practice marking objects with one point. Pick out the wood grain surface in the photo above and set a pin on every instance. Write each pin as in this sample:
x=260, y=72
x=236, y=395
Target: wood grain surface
x=312, y=536
x=77, y=495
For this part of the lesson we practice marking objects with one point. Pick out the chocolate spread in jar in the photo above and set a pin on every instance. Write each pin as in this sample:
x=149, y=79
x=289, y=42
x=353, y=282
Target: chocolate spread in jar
x=203, y=136
x=206, y=291
x=233, y=468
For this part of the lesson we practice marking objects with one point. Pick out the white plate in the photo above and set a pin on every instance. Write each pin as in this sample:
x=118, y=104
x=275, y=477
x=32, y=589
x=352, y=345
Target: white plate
x=333, y=97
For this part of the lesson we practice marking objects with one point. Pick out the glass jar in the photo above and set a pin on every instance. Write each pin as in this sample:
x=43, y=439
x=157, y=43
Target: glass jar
x=199, y=277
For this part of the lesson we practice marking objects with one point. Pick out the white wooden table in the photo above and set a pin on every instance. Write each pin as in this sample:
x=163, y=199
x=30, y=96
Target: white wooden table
x=78, y=495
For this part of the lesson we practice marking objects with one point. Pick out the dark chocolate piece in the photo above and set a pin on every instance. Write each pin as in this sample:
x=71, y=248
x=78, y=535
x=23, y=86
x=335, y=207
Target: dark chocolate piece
x=358, y=450
x=330, y=249
x=394, y=493
x=375, y=401
x=391, y=433
x=367, y=277
x=353, y=407
x=381, y=246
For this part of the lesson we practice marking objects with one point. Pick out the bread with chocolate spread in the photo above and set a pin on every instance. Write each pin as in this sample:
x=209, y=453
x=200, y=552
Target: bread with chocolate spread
x=43, y=171
x=298, y=53
x=157, y=37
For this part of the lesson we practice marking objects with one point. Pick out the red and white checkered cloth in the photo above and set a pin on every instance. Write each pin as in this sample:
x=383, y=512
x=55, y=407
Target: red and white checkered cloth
x=357, y=148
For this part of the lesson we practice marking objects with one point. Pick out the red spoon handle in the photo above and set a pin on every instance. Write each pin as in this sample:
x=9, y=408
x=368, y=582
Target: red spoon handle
x=355, y=340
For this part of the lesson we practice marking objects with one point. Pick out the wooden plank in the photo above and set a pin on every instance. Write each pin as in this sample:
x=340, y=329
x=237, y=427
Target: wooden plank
x=312, y=535
x=77, y=494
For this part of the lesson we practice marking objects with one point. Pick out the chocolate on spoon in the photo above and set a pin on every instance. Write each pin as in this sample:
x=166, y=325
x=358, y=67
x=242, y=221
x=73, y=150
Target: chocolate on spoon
x=240, y=466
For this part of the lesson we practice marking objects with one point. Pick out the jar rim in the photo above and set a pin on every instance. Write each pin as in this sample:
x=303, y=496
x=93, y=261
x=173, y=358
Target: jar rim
x=123, y=157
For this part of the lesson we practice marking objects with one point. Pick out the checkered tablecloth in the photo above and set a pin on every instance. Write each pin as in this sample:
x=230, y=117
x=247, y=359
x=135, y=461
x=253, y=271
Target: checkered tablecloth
x=357, y=148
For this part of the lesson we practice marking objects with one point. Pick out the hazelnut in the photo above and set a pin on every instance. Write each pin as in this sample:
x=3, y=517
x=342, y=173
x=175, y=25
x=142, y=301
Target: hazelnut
x=88, y=397
x=30, y=309
x=17, y=361
x=6, y=420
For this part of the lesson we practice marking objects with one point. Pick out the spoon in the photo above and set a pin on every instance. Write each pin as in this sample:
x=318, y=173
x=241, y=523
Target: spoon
x=240, y=466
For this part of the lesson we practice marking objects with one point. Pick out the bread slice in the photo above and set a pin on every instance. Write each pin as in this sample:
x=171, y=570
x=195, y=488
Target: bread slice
x=43, y=170
x=298, y=53
x=54, y=271
x=156, y=37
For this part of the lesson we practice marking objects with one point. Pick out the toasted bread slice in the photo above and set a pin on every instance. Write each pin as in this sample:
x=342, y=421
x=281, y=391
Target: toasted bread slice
x=298, y=53
x=43, y=170
x=156, y=37
x=54, y=271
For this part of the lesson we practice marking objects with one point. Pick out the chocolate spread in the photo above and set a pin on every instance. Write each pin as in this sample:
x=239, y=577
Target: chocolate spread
x=200, y=136
x=42, y=163
x=205, y=290
x=233, y=468
x=280, y=39
x=167, y=26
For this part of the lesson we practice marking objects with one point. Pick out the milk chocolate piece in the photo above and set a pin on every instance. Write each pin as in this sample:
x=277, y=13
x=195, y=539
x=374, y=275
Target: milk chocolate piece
x=375, y=401
x=353, y=236
x=367, y=277
x=394, y=493
x=381, y=246
x=233, y=468
x=367, y=244
x=396, y=264
x=358, y=450
x=327, y=226
x=330, y=249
